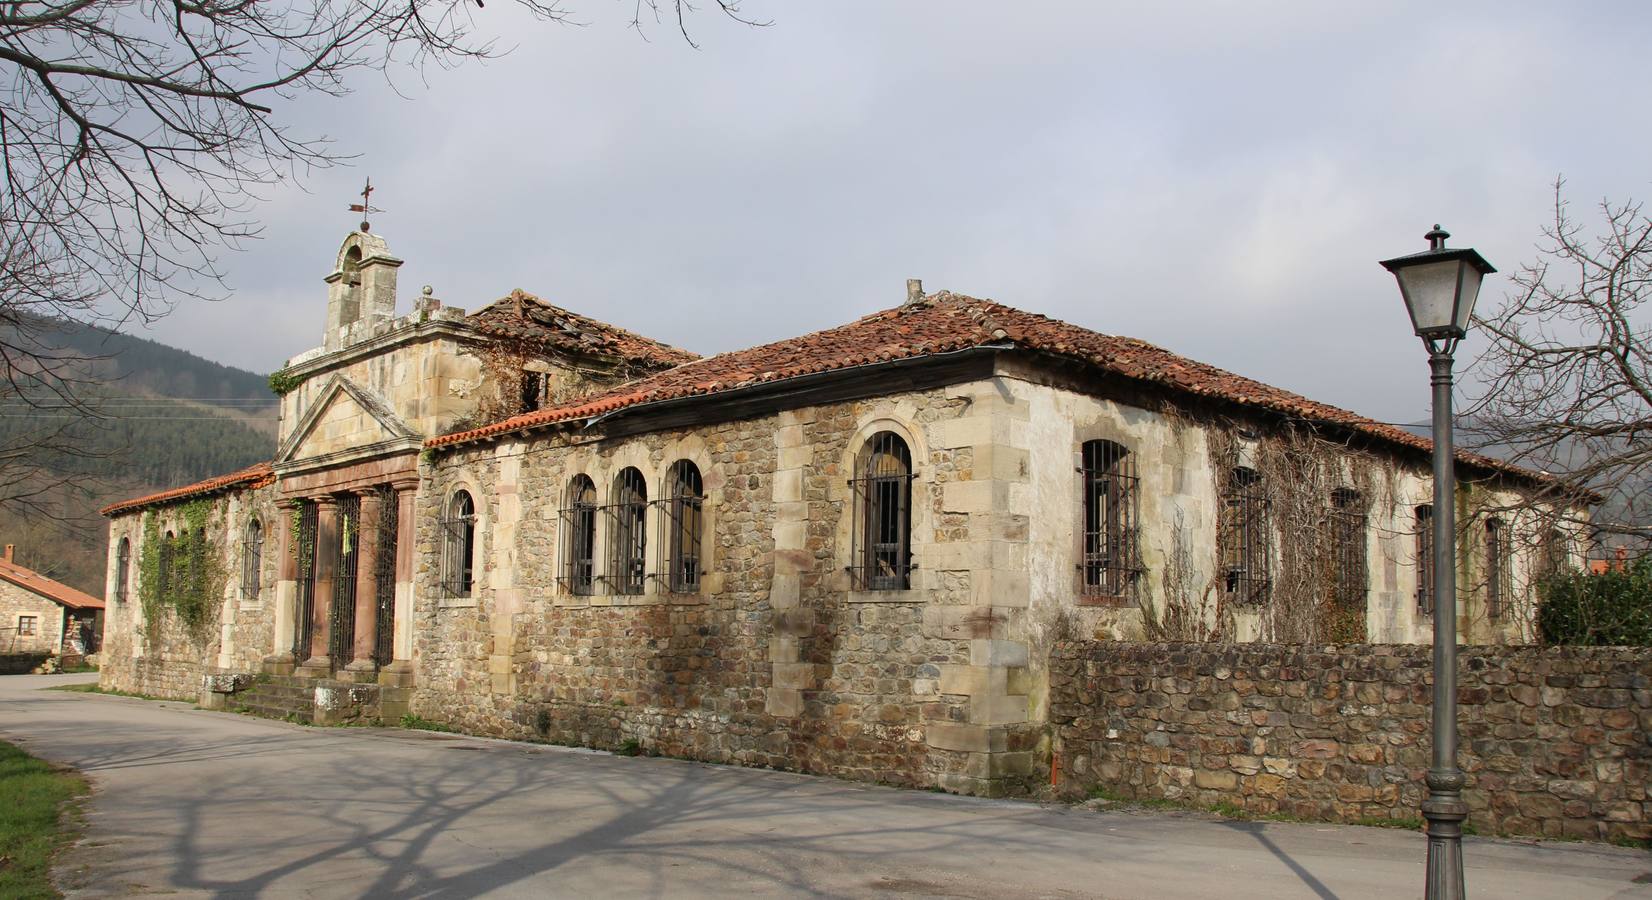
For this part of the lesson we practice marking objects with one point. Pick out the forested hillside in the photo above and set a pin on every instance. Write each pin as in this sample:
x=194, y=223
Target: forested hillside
x=153, y=417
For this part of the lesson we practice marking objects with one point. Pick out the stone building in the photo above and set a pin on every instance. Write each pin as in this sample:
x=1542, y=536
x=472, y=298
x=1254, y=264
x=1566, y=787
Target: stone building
x=847, y=552
x=40, y=615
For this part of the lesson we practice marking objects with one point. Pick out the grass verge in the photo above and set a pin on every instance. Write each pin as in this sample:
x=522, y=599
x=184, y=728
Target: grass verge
x=37, y=819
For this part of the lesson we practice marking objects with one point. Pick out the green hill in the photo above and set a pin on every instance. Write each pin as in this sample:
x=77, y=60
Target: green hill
x=153, y=417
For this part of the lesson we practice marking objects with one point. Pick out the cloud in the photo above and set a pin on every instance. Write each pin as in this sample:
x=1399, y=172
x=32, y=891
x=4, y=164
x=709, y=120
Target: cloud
x=1219, y=179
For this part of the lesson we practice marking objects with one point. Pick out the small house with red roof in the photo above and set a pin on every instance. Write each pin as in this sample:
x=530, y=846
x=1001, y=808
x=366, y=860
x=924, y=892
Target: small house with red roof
x=845, y=552
x=40, y=615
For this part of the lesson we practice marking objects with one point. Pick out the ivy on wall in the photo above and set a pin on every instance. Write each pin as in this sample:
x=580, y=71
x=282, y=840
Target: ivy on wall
x=183, y=578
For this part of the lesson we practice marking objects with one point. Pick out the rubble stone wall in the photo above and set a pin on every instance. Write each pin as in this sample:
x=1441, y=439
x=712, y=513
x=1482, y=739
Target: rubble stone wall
x=1554, y=740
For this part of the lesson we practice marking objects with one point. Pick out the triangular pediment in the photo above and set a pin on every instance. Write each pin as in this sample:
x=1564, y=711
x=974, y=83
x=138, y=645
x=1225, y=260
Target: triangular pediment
x=345, y=422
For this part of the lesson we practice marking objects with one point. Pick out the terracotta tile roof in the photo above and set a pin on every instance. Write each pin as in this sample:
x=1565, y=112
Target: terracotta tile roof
x=523, y=316
x=30, y=580
x=946, y=322
x=251, y=477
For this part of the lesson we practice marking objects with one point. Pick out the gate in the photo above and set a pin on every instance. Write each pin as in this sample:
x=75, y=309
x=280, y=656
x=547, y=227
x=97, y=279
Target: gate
x=342, y=645
x=304, y=608
x=384, y=581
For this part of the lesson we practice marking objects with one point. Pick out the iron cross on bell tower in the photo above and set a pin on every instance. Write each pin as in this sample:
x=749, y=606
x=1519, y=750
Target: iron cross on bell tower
x=366, y=205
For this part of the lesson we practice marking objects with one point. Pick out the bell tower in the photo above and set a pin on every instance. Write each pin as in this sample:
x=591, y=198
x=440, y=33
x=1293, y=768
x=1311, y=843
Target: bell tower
x=361, y=291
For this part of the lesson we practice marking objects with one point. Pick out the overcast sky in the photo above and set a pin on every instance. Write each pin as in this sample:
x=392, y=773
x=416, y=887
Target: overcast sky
x=1216, y=178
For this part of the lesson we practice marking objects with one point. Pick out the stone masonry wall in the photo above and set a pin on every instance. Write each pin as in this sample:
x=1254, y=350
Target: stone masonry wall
x=48, y=621
x=1554, y=740
x=162, y=658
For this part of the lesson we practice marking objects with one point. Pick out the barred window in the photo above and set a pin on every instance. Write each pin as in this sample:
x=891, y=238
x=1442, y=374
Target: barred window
x=1345, y=521
x=627, y=532
x=683, y=523
x=1555, y=553
x=1497, y=567
x=458, y=534
x=1425, y=559
x=123, y=565
x=1111, y=558
x=252, y=560
x=1246, y=543
x=579, y=523
x=882, y=503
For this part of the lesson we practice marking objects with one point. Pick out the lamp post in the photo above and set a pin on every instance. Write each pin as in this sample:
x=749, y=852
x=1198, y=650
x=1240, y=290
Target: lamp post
x=1440, y=287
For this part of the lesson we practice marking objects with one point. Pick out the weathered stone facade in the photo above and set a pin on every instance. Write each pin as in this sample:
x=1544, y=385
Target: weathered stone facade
x=1555, y=741
x=29, y=623
x=911, y=650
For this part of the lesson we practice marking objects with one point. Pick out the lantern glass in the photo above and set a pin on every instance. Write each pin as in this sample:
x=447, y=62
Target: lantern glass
x=1431, y=294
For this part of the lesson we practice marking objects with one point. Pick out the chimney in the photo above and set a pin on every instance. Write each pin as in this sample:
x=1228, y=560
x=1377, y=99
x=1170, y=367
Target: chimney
x=914, y=290
x=10, y=548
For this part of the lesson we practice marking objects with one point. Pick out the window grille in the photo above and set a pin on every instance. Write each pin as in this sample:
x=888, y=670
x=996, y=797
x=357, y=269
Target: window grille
x=1497, y=567
x=579, y=524
x=682, y=524
x=1425, y=559
x=195, y=556
x=882, y=501
x=1111, y=561
x=1246, y=544
x=458, y=531
x=342, y=635
x=384, y=579
x=304, y=608
x=1345, y=521
x=252, y=560
x=627, y=532
x=1555, y=554
x=123, y=565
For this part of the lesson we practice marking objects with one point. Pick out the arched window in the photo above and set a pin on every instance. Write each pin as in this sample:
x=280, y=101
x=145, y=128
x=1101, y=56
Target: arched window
x=458, y=530
x=1555, y=555
x=1246, y=548
x=169, y=557
x=1345, y=524
x=1110, y=485
x=883, y=506
x=684, y=521
x=1425, y=559
x=627, y=532
x=123, y=564
x=252, y=560
x=579, y=524
x=1497, y=567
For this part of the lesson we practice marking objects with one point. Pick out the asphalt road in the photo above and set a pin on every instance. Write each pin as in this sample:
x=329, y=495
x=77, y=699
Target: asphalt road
x=196, y=803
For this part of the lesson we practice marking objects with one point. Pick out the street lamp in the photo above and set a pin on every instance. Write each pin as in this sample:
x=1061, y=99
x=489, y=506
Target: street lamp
x=1440, y=287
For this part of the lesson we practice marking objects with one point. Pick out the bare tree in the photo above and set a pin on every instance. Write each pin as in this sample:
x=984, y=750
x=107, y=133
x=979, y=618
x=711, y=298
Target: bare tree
x=1568, y=376
x=136, y=136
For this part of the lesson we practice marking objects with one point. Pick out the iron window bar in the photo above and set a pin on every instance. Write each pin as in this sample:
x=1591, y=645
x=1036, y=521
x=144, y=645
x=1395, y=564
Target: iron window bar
x=1497, y=567
x=123, y=564
x=882, y=515
x=1345, y=519
x=1246, y=538
x=1425, y=559
x=627, y=533
x=1110, y=556
x=579, y=524
x=252, y=560
x=458, y=530
x=682, y=525
x=168, y=554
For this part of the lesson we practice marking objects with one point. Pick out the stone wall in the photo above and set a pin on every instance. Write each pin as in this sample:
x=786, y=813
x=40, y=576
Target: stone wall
x=162, y=658
x=48, y=621
x=1554, y=740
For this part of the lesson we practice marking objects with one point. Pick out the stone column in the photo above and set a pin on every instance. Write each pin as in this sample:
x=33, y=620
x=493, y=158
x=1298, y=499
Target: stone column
x=400, y=670
x=280, y=660
x=326, y=570
x=362, y=667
